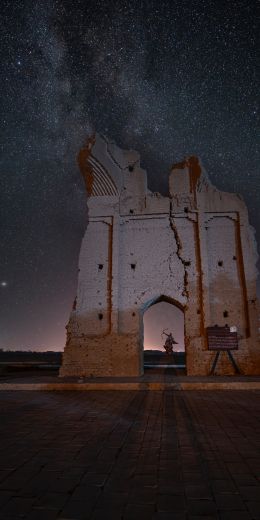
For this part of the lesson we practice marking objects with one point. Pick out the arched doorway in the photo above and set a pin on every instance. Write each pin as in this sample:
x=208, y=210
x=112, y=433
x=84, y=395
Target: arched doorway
x=163, y=315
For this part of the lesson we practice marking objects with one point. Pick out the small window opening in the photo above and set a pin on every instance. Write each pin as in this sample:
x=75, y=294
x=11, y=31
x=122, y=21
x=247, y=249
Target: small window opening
x=131, y=211
x=100, y=316
x=234, y=257
x=133, y=314
x=100, y=266
x=187, y=263
x=186, y=210
x=225, y=314
x=220, y=263
x=198, y=311
x=133, y=266
x=131, y=168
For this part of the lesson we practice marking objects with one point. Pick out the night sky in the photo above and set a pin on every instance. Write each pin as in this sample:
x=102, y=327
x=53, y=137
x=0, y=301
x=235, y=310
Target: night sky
x=168, y=78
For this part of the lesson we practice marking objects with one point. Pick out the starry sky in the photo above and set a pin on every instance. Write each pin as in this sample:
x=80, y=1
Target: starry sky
x=169, y=78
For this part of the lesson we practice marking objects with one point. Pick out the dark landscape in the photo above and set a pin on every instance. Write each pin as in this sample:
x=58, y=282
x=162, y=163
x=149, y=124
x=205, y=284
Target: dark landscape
x=41, y=363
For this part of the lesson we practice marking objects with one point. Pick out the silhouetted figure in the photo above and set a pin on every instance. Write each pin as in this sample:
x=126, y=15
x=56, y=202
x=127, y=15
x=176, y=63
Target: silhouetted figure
x=169, y=342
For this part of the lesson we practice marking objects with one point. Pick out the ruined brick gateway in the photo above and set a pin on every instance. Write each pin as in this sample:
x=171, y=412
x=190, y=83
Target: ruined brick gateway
x=194, y=249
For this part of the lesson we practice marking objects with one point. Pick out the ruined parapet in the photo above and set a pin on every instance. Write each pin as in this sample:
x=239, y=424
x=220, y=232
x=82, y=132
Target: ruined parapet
x=183, y=183
x=194, y=249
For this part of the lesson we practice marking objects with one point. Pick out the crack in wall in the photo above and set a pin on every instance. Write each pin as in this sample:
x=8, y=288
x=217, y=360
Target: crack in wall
x=185, y=291
x=169, y=259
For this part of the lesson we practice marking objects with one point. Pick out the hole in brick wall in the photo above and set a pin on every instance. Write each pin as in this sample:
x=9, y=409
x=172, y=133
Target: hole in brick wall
x=234, y=257
x=133, y=266
x=220, y=263
x=186, y=210
x=100, y=316
x=100, y=266
x=187, y=263
x=198, y=311
x=225, y=314
x=131, y=211
x=133, y=313
x=131, y=168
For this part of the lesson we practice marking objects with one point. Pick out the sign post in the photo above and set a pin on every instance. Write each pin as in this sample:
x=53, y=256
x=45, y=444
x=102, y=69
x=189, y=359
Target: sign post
x=223, y=339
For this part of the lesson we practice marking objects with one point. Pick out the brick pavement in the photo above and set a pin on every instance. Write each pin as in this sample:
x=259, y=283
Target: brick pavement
x=130, y=455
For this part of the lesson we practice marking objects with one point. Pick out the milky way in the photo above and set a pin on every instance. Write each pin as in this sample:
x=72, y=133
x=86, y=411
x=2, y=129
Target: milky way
x=168, y=78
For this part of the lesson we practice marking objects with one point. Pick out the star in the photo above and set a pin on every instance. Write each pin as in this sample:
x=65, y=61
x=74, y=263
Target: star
x=169, y=79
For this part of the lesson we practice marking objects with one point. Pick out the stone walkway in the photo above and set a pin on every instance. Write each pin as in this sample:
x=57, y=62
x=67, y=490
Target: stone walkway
x=130, y=455
x=153, y=379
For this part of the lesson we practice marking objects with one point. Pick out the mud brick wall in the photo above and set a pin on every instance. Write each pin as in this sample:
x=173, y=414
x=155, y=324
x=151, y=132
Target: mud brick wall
x=194, y=249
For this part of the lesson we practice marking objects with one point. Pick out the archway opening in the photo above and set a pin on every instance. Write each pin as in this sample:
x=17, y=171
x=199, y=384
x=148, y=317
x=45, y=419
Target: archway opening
x=160, y=319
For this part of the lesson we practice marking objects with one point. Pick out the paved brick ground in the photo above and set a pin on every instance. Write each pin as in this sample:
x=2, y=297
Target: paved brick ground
x=130, y=455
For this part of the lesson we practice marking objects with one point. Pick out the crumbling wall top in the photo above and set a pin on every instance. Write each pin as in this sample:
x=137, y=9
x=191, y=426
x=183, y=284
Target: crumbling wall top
x=116, y=175
x=110, y=171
